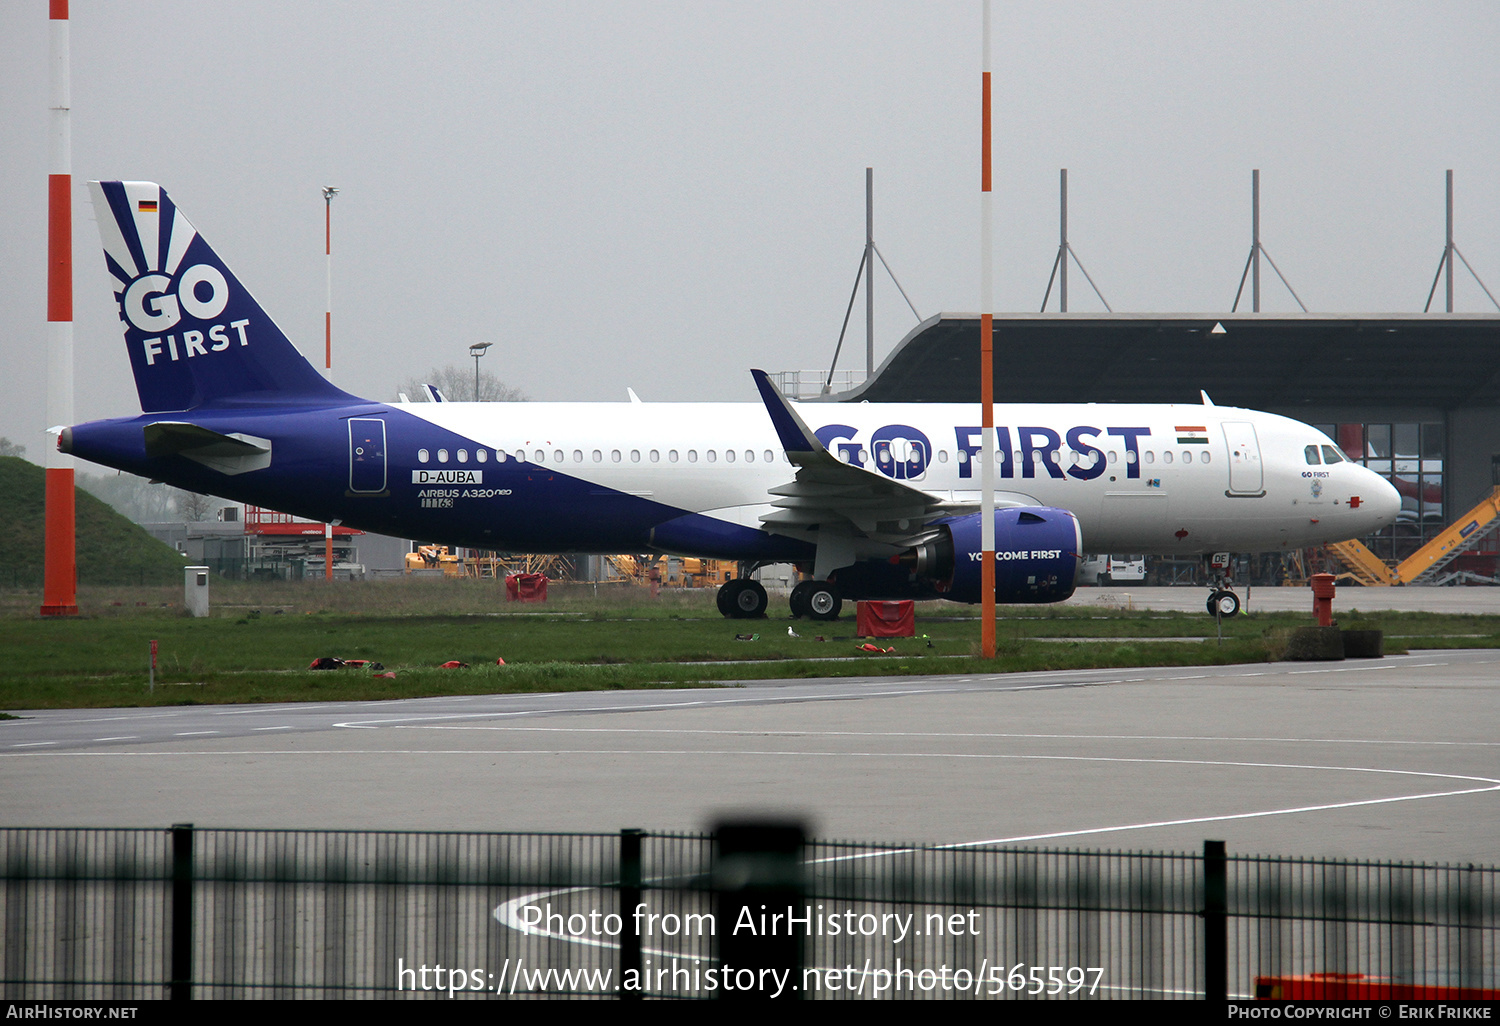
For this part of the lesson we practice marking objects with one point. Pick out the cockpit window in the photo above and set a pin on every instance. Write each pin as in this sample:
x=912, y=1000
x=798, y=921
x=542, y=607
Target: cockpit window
x=1331, y=455
x=1311, y=455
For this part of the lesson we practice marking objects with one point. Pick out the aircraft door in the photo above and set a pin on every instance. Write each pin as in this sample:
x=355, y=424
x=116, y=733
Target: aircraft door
x=1246, y=477
x=367, y=470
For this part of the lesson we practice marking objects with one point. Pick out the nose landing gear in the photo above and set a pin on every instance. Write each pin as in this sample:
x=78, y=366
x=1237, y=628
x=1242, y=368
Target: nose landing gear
x=1223, y=602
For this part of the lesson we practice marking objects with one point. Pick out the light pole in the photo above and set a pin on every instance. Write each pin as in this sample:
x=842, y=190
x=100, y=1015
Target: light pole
x=476, y=351
x=329, y=192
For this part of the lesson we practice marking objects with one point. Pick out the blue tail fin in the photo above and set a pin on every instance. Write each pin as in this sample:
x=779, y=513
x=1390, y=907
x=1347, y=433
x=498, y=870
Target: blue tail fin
x=195, y=335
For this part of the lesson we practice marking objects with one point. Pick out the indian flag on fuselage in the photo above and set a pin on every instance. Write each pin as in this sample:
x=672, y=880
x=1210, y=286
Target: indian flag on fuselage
x=1192, y=435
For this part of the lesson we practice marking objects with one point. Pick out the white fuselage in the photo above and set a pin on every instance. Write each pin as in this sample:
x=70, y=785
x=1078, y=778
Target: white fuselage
x=1158, y=479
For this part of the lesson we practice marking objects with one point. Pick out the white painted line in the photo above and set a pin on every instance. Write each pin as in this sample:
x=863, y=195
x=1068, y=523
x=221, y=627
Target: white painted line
x=190, y=733
x=123, y=737
x=799, y=732
x=287, y=727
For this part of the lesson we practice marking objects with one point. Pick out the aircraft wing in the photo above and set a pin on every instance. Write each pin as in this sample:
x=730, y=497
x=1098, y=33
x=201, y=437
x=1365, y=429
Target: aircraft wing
x=829, y=496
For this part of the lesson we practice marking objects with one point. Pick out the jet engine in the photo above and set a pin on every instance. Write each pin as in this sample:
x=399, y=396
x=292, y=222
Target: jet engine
x=1037, y=551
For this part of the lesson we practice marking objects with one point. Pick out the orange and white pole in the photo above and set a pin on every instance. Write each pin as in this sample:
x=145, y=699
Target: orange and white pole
x=60, y=553
x=986, y=368
x=329, y=192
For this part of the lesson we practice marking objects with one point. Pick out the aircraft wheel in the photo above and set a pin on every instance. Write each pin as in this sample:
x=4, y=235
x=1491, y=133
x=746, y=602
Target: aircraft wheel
x=724, y=598
x=823, y=602
x=1223, y=603
x=746, y=600
x=798, y=600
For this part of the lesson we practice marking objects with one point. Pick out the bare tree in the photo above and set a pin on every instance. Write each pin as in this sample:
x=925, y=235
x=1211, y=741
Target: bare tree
x=194, y=508
x=9, y=448
x=457, y=383
x=135, y=497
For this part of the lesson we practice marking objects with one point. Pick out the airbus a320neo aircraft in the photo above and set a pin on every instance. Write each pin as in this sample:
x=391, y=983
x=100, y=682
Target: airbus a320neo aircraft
x=875, y=500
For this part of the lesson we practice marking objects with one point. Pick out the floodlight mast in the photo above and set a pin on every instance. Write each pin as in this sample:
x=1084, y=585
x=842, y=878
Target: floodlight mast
x=329, y=192
x=986, y=368
x=477, y=350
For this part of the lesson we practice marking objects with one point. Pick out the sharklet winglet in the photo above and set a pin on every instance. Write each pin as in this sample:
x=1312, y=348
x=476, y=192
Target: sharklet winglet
x=791, y=429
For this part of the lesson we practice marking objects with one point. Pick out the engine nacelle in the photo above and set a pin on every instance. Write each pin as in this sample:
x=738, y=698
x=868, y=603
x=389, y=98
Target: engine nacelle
x=1037, y=551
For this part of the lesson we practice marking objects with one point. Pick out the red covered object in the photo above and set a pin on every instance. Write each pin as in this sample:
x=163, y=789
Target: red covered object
x=526, y=587
x=886, y=619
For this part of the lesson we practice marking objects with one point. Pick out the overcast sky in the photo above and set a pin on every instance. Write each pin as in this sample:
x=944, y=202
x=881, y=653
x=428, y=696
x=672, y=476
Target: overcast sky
x=663, y=195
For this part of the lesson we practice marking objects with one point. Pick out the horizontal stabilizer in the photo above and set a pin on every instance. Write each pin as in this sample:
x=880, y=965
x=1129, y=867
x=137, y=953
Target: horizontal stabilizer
x=228, y=454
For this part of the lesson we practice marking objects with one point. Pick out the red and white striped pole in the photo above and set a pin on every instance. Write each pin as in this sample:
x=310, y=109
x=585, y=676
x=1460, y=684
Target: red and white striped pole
x=60, y=584
x=986, y=369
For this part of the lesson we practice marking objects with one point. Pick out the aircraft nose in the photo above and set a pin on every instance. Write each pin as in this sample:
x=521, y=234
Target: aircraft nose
x=1382, y=500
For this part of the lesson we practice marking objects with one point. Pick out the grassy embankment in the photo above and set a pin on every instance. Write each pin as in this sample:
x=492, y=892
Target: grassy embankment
x=258, y=643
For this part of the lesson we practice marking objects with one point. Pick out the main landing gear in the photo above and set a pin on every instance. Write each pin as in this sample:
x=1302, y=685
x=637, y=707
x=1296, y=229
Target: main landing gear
x=816, y=600
x=742, y=599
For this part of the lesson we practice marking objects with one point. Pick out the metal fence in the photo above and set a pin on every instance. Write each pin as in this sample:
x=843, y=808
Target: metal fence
x=142, y=914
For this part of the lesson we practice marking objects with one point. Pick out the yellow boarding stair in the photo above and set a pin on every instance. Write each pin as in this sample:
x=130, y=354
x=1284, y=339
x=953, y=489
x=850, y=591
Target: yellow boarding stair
x=1422, y=566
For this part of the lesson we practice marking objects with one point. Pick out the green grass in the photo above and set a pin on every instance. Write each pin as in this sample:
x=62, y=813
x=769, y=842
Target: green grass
x=258, y=644
x=110, y=549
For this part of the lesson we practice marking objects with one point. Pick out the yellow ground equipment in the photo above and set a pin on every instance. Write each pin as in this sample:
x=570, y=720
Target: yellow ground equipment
x=1424, y=565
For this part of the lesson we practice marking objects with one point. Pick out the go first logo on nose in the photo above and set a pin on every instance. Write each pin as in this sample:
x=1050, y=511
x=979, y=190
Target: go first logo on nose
x=151, y=305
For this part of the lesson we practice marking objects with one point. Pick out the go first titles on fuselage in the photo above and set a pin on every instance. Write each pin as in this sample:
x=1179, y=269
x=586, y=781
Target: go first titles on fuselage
x=904, y=453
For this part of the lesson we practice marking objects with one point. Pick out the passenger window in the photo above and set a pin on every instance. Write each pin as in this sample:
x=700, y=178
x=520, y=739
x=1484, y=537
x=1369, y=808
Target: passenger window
x=655, y=456
x=635, y=455
x=728, y=455
x=463, y=455
x=614, y=455
x=598, y=456
x=1187, y=455
x=1148, y=456
x=539, y=456
x=577, y=455
x=1166, y=457
x=770, y=456
x=671, y=455
x=1203, y=457
x=1310, y=454
x=422, y=455
x=749, y=455
x=942, y=455
x=481, y=455
x=499, y=455
x=692, y=455
x=557, y=456
x=712, y=456
x=1331, y=455
x=442, y=455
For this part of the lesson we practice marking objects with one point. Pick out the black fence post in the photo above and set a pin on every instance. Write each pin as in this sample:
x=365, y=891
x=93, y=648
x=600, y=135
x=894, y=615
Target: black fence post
x=1215, y=922
x=181, y=986
x=630, y=899
x=760, y=912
